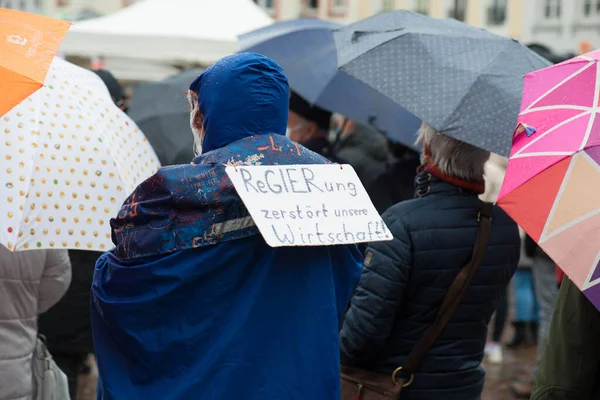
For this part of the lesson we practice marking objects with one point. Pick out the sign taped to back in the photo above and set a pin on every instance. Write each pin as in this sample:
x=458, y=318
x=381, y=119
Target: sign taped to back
x=308, y=205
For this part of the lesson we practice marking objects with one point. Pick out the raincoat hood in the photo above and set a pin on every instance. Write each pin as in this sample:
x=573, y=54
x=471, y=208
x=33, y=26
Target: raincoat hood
x=241, y=95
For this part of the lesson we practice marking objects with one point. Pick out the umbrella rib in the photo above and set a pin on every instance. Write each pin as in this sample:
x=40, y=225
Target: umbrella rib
x=544, y=236
x=594, y=109
x=405, y=34
x=34, y=158
x=557, y=107
x=552, y=89
x=368, y=51
x=588, y=283
x=561, y=190
x=473, y=84
x=555, y=127
x=571, y=224
x=542, y=154
x=520, y=154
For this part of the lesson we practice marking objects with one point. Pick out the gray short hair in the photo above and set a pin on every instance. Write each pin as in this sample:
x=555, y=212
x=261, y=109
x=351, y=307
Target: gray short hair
x=453, y=157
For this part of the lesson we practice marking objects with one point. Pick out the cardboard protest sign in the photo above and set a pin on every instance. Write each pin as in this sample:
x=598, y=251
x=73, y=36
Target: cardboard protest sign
x=308, y=205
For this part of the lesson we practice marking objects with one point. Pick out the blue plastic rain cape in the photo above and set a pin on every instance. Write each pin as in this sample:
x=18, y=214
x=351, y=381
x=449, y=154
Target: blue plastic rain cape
x=192, y=303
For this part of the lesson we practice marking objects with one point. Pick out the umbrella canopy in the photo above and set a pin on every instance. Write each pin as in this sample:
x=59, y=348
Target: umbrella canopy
x=29, y=43
x=463, y=81
x=69, y=157
x=162, y=111
x=548, y=54
x=197, y=31
x=306, y=50
x=553, y=176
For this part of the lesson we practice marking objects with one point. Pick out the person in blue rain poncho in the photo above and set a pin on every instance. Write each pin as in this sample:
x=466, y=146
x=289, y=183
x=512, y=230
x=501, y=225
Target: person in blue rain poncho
x=192, y=303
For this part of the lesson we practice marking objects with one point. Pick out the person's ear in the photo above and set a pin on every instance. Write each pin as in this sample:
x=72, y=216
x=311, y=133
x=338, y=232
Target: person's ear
x=313, y=128
x=426, y=156
x=426, y=150
x=198, y=120
x=349, y=127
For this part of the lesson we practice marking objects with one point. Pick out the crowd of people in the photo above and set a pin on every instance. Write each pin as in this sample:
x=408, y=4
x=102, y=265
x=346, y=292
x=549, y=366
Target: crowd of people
x=171, y=325
x=192, y=303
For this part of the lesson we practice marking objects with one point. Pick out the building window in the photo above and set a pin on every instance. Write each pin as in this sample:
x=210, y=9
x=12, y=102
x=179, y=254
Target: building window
x=310, y=9
x=423, y=7
x=267, y=5
x=388, y=5
x=552, y=9
x=497, y=12
x=459, y=10
x=591, y=8
x=337, y=7
x=22, y=5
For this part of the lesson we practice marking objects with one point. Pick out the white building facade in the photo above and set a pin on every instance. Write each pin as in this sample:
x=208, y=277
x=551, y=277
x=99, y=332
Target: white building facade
x=32, y=6
x=563, y=25
x=342, y=11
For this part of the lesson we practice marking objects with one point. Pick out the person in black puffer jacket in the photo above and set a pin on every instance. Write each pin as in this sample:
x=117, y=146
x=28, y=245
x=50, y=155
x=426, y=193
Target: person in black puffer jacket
x=404, y=281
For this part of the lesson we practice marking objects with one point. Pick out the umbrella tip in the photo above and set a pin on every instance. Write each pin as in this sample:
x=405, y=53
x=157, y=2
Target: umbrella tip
x=524, y=128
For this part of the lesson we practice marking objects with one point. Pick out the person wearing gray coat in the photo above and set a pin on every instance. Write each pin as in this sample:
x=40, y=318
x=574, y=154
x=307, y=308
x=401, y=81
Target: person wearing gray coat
x=30, y=283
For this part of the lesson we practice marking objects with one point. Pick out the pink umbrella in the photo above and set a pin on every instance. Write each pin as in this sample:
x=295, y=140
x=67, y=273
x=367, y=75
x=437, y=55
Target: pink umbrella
x=552, y=184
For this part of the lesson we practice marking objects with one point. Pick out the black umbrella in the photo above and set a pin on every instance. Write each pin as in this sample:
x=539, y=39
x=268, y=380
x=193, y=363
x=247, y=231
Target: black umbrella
x=548, y=54
x=161, y=110
x=461, y=80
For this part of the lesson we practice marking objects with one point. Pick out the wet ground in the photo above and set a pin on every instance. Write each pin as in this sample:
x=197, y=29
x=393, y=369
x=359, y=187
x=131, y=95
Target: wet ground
x=516, y=364
x=87, y=383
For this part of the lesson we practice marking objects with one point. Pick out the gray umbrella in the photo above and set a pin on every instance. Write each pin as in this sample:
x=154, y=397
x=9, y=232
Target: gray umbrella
x=161, y=110
x=463, y=81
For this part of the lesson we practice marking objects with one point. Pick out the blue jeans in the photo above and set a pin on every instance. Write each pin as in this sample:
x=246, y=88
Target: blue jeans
x=526, y=304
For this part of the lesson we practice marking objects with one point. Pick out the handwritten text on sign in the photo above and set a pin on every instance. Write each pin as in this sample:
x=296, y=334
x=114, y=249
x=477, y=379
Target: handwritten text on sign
x=308, y=205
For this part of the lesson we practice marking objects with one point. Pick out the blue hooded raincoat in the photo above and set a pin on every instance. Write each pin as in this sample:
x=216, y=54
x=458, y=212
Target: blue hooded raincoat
x=192, y=303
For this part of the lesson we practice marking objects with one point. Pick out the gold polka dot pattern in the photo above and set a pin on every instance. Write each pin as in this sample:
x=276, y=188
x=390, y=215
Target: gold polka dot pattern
x=70, y=158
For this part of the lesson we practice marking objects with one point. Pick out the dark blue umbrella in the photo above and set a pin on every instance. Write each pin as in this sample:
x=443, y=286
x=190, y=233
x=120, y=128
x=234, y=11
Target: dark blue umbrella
x=463, y=81
x=162, y=112
x=306, y=50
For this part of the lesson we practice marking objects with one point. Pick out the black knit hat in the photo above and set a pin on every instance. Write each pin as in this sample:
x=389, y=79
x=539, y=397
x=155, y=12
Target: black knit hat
x=310, y=112
x=114, y=87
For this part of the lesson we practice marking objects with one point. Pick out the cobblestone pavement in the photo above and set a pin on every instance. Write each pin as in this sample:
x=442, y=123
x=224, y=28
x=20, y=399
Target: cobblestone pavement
x=516, y=363
x=86, y=389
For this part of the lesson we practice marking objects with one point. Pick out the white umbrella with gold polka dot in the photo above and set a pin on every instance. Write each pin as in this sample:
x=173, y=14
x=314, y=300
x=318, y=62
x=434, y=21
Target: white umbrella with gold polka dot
x=69, y=158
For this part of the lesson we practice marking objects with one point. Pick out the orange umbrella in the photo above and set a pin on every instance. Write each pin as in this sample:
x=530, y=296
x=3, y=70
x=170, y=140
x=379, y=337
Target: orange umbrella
x=28, y=44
